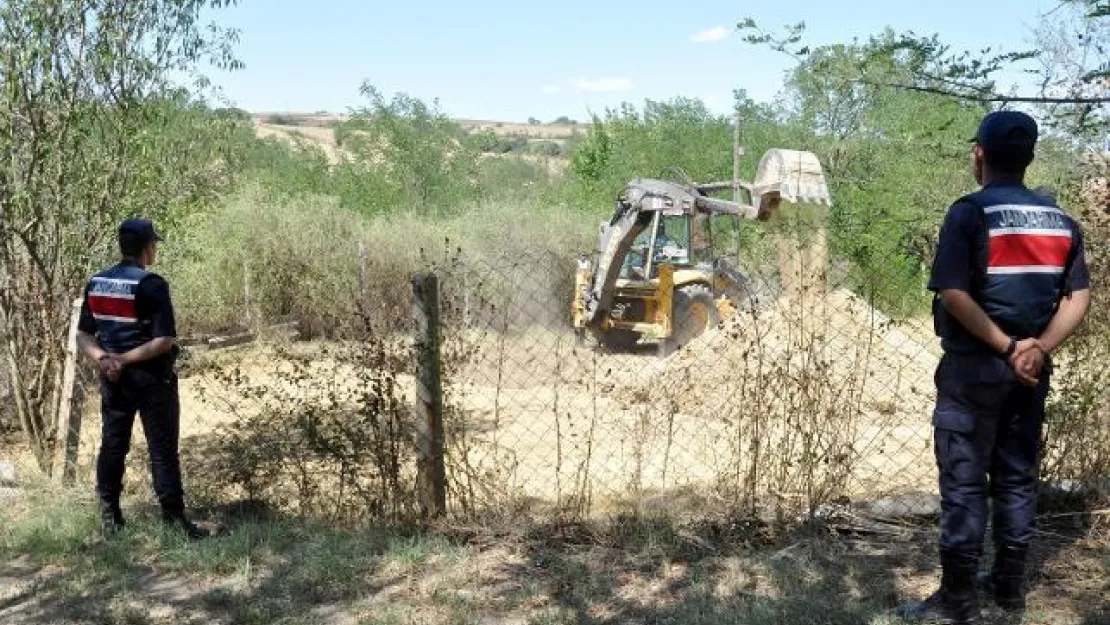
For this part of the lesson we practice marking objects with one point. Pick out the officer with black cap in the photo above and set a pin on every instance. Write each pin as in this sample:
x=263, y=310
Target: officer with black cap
x=1011, y=285
x=127, y=328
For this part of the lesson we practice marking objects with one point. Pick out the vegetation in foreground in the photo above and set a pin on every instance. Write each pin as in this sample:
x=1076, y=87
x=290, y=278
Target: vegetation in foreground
x=268, y=568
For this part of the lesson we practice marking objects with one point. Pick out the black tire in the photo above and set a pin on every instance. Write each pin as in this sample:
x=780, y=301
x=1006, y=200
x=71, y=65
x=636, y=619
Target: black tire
x=695, y=313
x=619, y=339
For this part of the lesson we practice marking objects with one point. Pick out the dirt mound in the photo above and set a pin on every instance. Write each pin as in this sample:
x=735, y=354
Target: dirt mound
x=840, y=340
x=837, y=391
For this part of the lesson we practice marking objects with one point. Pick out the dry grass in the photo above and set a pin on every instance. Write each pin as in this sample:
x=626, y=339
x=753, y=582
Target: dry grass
x=550, y=132
x=256, y=257
x=322, y=136
x=269, y=569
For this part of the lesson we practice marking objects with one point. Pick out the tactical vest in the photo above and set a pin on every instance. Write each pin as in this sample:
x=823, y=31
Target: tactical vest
x=112, y=296
x=1022, y=257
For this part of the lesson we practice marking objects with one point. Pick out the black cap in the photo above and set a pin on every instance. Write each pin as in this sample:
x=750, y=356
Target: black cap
x=137, y=233
x=1007, y=131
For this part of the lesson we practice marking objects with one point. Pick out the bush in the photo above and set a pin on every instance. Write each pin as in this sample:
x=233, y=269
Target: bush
x=630, y=143
x=232, y=113
x=334, y=439
x=257, y=257
x=513, y=144
x=491, y=143
x=515, y=178
x=1077, y=431
x=485, y=141
x=282, y=120
x=405, y=153
x=545, y=148
x=284, y=168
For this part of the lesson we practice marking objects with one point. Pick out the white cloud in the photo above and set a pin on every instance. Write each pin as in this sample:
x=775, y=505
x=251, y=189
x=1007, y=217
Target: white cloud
x=711, y=35
x=604, y=85
x=550, y=89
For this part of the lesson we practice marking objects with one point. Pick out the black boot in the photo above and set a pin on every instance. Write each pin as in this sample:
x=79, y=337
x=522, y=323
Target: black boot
x=1008, y=578
x=176, y=519
x=957, y=601
x=984, y=583
x=111, y=518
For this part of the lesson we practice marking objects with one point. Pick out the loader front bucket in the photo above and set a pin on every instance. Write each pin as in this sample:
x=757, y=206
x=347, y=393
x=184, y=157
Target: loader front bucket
x=793, y=175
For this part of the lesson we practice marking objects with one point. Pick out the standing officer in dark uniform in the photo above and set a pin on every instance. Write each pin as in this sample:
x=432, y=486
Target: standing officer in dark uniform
x=127, y=328
x=1011, y=285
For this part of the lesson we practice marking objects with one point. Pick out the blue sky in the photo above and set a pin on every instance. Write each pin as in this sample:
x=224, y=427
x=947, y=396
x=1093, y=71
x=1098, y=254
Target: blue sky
x=514, y=59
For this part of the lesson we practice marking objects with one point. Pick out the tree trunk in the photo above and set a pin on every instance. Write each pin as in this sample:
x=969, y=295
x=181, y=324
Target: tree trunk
x=25, y=410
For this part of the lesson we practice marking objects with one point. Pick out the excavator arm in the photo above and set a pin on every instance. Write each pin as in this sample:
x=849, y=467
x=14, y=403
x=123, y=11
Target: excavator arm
x=615, y=239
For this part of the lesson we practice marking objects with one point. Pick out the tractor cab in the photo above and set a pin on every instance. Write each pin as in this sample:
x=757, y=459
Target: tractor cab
x=666, y=241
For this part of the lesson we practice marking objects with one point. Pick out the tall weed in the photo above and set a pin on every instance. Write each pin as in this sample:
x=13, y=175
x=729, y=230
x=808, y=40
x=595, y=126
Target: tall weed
x=255, y=258
x=1077, y=432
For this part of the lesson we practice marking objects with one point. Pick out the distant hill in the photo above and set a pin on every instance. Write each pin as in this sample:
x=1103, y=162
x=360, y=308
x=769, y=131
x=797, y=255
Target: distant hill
x=318, y=127
x=325, y=120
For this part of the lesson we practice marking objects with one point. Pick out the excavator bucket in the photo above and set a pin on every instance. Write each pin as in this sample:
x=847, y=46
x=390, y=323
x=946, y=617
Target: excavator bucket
x=792, y=175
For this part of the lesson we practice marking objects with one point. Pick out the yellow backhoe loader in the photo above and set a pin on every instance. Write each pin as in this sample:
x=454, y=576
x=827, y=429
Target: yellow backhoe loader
x=662, y=270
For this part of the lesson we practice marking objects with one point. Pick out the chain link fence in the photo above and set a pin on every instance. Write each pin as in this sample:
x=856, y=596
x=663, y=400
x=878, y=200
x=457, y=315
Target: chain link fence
x=803, y=396
x=809, y=395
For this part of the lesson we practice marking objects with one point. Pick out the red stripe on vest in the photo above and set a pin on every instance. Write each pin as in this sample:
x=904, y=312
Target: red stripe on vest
x=1029, y=250
x=112, y=307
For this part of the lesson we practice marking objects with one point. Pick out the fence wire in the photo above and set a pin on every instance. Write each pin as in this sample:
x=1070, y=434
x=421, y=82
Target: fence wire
x=811, y=395
x=807, y=398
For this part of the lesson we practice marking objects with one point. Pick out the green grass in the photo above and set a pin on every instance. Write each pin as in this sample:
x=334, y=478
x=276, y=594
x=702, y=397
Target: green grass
x=414, y=551
x=292, y=571
x=255, y=572
x=49, y=525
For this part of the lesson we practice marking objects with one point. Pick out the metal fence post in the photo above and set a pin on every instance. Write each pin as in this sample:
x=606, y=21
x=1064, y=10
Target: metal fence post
x=429, y=394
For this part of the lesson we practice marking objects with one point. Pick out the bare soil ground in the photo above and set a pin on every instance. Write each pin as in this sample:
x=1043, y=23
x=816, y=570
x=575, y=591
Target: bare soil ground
x=550, y=414
x=505, y=128
x=318, y=128
x=754, y=407
x=549, y=132
x=322, y=136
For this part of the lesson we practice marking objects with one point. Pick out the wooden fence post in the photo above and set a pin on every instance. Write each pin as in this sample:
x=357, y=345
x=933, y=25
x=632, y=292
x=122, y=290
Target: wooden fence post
x=466, y=300
x=737, y=152
x=429, y=395
x=362, y=280
x=69, y=420
x=247, y=308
